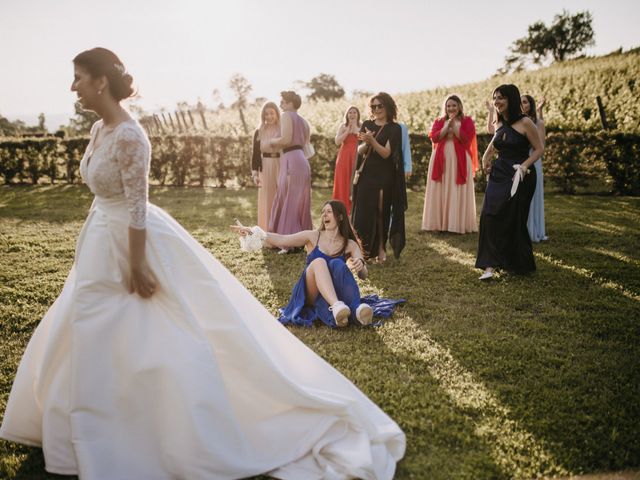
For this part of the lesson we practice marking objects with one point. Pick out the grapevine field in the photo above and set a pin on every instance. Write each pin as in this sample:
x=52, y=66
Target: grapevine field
x=570, y=88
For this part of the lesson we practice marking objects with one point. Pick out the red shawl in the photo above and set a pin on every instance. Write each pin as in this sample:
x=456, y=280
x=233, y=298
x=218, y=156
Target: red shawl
x=466, y=144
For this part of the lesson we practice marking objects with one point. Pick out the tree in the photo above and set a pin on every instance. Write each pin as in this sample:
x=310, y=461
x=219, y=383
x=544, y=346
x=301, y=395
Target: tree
x=82, y=122
x=41, y=122
x=7, y=127
x=567, y=36
x=324, y=87
x=218, y=104
x=361, y=93
x=241, y=88
x=20, y=128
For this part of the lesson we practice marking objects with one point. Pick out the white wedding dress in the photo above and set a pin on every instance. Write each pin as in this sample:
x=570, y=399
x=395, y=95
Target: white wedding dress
x=198, y=382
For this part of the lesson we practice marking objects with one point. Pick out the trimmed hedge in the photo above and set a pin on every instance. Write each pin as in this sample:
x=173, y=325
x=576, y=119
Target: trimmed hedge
x=572, y=160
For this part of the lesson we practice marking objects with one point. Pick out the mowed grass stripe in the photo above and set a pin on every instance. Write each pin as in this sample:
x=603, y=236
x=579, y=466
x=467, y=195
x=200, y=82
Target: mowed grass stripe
x=523, y=377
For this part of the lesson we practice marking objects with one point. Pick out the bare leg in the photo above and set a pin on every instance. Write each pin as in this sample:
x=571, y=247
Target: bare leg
x=382, y=256
x=319, y=282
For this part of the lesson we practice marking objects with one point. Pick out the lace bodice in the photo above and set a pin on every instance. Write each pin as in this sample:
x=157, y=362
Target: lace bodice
x=119, y=166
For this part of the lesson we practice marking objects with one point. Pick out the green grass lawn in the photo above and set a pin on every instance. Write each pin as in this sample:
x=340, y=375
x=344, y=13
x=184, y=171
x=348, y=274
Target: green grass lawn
x=520, y=377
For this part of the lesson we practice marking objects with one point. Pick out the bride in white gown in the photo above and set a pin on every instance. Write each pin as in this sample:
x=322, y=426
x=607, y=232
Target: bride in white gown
x=156, y=363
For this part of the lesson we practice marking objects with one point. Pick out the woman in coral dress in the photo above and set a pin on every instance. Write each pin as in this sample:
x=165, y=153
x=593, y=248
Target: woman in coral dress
x=265, y=161
x=449, y=201
x=155, y=363
x=347, y=140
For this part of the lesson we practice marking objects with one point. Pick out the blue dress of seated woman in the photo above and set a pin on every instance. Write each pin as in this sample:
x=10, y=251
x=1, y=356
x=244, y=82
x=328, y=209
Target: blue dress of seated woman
x=297, y=312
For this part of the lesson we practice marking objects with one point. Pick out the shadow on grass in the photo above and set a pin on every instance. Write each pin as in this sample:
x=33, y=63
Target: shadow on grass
x=50, y=203
x=555, y=348
x=514, y=378
x=31, y=464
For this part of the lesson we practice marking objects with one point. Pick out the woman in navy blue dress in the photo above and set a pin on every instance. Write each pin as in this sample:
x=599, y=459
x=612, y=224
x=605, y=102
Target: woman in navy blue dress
x=504, y=239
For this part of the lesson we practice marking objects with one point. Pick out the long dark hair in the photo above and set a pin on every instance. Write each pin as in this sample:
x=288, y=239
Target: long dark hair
x=389, y=105
x=514, y=108
x=344, y=224
x=533, y=114
x=100, y=61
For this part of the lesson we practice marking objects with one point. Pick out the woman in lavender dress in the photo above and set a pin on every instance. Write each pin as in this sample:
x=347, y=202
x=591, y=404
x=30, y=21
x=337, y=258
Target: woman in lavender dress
x=291, y=210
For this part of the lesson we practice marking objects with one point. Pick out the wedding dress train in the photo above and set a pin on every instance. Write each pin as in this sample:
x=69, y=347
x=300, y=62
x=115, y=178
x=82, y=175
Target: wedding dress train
x=199, y=381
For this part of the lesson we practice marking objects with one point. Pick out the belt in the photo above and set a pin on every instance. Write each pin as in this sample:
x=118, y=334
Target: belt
x=292, y=148
x=270, y=155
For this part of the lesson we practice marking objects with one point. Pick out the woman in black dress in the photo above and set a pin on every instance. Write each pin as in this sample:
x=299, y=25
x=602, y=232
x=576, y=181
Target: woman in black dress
x=379, y=192
x=504, y=239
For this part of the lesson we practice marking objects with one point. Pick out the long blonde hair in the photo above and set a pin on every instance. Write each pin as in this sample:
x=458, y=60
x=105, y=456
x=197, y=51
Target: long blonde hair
x=263, y=112
x=456, y=99
x=346, y=116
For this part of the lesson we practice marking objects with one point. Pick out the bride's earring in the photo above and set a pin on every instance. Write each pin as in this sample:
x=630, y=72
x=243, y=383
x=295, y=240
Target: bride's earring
x=99, y=92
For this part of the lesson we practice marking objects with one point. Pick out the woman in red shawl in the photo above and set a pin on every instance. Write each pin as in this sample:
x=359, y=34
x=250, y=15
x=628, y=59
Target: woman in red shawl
x=449, y=201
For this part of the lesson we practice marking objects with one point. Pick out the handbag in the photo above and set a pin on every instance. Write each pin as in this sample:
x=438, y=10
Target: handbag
x=356, y=174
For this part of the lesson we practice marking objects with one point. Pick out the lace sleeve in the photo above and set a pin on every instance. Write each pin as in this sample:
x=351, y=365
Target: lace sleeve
x=132, y=155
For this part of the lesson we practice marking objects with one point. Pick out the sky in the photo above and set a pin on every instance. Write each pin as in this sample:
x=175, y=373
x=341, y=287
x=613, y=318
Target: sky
x=181, y=50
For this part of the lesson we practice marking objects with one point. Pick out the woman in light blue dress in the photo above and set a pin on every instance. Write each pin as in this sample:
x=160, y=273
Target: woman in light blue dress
x=535, y=222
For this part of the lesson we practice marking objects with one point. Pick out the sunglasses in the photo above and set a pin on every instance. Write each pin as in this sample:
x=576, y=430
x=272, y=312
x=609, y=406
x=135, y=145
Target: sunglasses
x=376, y=106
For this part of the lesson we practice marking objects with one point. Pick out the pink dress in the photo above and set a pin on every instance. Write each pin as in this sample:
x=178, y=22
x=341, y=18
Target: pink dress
x=291, y=210
x=450, y=201
x=268, y=177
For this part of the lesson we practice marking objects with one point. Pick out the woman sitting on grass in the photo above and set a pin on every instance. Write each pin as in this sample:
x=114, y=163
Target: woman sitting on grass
x=327, y=289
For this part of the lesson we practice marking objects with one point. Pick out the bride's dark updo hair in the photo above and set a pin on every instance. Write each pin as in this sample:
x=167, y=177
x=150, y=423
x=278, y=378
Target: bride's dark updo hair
x=100, y=61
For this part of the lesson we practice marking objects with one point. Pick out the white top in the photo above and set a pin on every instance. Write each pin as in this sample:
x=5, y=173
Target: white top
x=119, y=166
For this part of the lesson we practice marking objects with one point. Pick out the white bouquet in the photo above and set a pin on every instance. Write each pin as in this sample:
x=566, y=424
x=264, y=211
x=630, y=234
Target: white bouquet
x=254, y=241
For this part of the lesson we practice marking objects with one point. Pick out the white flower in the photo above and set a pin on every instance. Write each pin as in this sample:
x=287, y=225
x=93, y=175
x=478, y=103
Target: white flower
x=253, y=242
